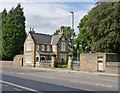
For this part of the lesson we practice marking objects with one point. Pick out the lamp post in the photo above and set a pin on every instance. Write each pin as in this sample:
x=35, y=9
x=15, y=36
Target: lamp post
x=72, y=35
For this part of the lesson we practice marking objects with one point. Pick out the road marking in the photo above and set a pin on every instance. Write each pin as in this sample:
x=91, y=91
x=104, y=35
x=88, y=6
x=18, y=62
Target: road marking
x=3, y=85
x=43, y=76
x=29, y=89
x=20, y=73
x=17, y=89
x=91, y=83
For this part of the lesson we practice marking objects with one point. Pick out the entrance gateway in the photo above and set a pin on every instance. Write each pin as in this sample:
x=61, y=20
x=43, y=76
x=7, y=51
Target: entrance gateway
x=100, y=63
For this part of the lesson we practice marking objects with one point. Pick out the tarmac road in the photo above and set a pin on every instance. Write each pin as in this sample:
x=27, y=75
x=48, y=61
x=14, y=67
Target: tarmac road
x=18, y=79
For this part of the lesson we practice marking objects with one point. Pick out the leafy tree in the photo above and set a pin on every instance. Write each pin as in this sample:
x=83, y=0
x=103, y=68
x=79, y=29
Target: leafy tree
x=0, y=35
x=99, y=30
x=104, y=26
x=68, y=34
x=83, y=39
x=13, y=32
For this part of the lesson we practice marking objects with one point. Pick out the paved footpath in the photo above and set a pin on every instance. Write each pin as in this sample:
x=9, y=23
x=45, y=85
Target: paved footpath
x=70, y=71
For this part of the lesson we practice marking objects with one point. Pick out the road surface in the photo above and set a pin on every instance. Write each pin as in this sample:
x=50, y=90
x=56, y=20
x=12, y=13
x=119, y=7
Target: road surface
x=19, y=79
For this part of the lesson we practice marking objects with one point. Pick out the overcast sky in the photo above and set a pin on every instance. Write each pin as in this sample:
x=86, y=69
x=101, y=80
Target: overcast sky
x=47, y=17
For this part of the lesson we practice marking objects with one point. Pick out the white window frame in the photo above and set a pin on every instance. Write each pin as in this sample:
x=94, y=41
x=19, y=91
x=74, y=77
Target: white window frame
x=28, y=58
x=37, y=47
x=48, y=48
x=28, y=46
x=63, y=46
x=43, y=48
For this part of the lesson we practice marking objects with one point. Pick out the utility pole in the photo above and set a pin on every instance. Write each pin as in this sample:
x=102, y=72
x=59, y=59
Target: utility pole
x=72, y=36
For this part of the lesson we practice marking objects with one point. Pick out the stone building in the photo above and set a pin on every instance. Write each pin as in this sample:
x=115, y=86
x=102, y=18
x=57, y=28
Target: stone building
x=42, y=50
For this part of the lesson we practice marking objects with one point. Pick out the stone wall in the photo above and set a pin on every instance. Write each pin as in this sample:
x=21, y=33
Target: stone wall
x=112, y=67
x=6, y=63
x=46, y=65
x=76, y=66
x=89, y=62
x=115, y=64
x=18, y=60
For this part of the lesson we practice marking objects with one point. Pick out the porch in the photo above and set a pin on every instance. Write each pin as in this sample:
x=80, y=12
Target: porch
x=45, y=59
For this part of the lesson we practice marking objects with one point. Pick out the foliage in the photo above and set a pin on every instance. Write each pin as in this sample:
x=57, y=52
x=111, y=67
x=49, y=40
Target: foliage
x=0, y=34
x=62, y=66
x=68, y=34
x=83, y=40
x=103, y=25
x=99, y=30
x=13, y=32
x=61, y=63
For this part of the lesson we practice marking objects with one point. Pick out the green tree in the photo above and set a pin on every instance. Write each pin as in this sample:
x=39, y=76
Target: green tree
x=68, y=34
x=13, y=33
x=20, y=33
x=0, y=35
x=104, y=26
x=99, y=30
x=3, y=31
x=83, y=39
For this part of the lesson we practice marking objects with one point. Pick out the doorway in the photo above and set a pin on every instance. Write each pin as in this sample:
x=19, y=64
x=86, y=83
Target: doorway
x=22, y=61
x=100, y=63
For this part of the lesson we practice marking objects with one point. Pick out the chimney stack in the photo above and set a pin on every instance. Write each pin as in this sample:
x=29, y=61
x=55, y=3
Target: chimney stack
x=31, y=30
x=61, y=30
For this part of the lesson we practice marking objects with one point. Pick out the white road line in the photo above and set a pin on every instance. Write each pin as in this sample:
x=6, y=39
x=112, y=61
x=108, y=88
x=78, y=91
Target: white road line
x=20, y=73
x=91, y=84
x=43, y=76
x=29, y=89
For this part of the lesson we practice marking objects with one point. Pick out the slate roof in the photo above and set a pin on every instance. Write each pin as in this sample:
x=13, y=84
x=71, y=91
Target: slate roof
x=55, y=39
x=39, y=38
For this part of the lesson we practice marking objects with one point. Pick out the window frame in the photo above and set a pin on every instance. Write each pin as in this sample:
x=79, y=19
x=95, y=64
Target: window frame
x=28, y=46
x=28, y=58
x=43, y=48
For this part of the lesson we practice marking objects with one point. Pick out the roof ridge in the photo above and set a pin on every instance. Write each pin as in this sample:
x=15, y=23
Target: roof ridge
x=43, y=34
x=57, y=34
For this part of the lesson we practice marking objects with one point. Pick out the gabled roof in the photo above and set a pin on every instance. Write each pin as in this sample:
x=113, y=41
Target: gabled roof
x=39, y=38
x=55, y=39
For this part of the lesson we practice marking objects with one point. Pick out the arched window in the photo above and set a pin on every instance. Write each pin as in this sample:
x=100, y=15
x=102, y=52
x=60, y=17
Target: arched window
x=37, y=59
